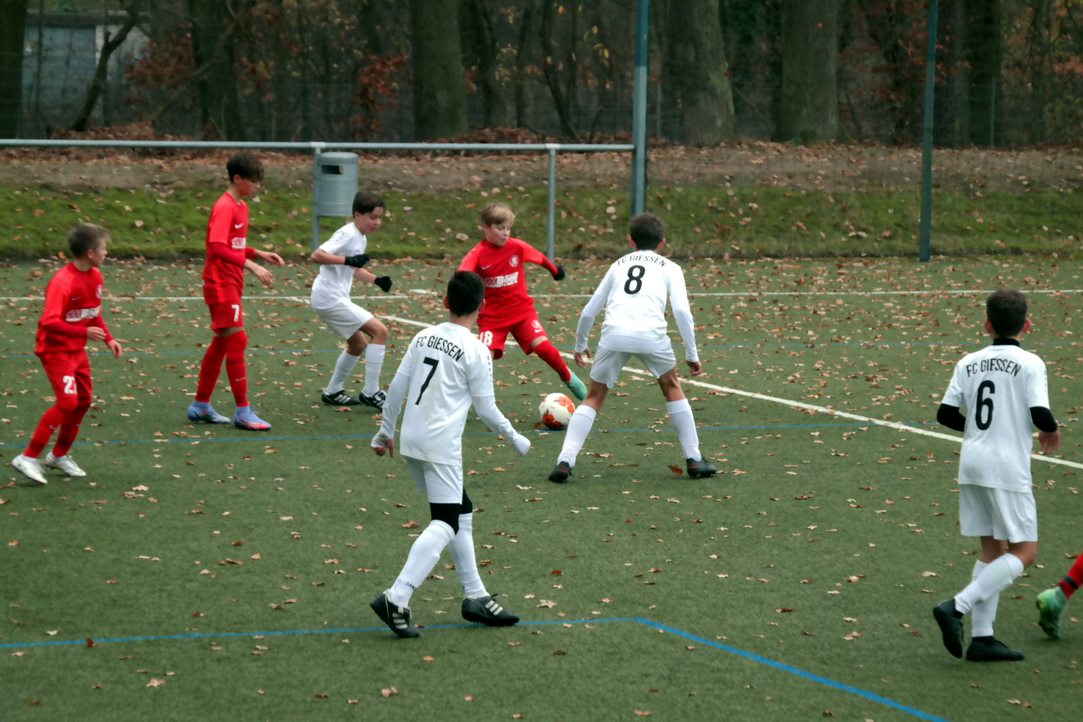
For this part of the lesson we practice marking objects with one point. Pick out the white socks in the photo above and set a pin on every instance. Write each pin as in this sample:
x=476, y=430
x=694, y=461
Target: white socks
x=578, y=428
x=680, y=415
x=462, y=553
x=374, y=364
x=424, y=554
x=983, y=613
x=989, y=582
x=344, y=366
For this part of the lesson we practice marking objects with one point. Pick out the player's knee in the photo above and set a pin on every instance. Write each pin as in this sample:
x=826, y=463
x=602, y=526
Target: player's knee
x=377, y=332
x=68, y=404
x=447, y=513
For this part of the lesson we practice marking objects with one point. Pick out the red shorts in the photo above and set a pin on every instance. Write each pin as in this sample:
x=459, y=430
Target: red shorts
x=68, y=373
x=525, y=332
x=226, y=314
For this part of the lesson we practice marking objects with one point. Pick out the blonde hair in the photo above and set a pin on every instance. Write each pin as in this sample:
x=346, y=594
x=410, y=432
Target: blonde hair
x=496, y=214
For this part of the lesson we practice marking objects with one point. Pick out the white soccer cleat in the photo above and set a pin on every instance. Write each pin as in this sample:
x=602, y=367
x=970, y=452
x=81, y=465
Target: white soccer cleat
x=30, y=468
x=64, y=463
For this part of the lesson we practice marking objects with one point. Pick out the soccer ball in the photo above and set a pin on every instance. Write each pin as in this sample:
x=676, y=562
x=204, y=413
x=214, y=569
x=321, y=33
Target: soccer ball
x=556, y=411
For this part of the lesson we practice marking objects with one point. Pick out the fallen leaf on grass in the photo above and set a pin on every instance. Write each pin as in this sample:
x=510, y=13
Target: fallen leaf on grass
x=389, y=691
x=154, y=682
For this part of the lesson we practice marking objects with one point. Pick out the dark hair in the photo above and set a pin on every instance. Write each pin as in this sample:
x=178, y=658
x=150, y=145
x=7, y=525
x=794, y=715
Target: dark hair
x=246, y=166
x=1006, y=310
x=647, y=231
x=366, y=202
x=86, y=237
x=465, y=292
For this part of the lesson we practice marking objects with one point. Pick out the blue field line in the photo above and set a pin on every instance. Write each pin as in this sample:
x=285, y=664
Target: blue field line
x=789, y=668
x=744, y=654
x=248, y=438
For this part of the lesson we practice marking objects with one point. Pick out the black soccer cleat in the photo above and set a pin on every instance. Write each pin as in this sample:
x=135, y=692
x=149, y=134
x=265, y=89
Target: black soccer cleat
x=700, y=468
x=397, y=618
x=560, y=472
x=989, y=649
x=339, y=398
x=485, y=610
x=951, y=626
x=376, y=401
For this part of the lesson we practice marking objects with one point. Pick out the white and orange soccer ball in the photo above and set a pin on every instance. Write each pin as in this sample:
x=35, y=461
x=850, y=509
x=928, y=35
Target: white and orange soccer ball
x=556, y=411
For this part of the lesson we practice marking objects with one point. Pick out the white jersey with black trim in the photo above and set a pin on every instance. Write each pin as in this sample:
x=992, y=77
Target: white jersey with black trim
x=445, y=371
x=335, y=281
x=634, y=294
x=998, y=386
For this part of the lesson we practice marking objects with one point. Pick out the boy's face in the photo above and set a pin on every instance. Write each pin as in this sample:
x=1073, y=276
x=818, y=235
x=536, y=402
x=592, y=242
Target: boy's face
x=96, y=256
x=369, y=222
x=498, y=233
x=246, y=187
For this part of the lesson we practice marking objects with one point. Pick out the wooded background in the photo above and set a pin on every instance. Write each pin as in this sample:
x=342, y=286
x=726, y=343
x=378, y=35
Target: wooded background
x=1009, y=72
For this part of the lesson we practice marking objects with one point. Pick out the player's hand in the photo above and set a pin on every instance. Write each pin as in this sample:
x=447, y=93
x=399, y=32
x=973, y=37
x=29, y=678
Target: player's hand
x=93, y=333
x=560, y=274
x=1049, y=441
x=357, y=261
x=263, y=275
x=694, y=367
x=581, y=358
x=115, y=348
x=384, y=282
x=383, y=444
x=270, y=257
x=520, y=443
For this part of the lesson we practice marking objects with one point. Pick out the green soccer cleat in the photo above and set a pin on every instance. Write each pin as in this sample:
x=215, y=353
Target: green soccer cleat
x=1051, y=605
x=577, y=387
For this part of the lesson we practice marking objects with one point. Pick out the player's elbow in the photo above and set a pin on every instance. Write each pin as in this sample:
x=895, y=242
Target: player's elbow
x=951, y=417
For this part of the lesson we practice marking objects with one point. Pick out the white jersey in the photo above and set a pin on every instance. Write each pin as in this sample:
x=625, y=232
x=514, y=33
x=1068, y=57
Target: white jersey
x=444, y=371
x=335, y=282
x=634, y=293
x=998, y=386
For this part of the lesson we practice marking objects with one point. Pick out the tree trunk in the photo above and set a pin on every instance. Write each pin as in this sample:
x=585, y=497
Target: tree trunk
x=810, y=106
x=522, y=55
x=695, y=73
x=102, y=70
x=439, y=81
x=984, y=53
x=215, y=26
x=950, y=115
x=481, y=45
x=550, y=70
x=12, y=38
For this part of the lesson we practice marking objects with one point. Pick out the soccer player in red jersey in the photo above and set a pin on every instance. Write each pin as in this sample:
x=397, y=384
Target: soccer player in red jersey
x=228, y=256
x=508, y=308
x=73, y=314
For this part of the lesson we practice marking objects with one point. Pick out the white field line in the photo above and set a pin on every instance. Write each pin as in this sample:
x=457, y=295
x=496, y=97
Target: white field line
x=413, y=292
x=803, y=406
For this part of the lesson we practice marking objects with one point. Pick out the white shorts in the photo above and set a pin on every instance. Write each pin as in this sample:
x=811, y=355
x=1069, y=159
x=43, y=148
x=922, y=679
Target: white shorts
x=344, y=319
x=442, y=483
x=1004, y=515
x=608, y=364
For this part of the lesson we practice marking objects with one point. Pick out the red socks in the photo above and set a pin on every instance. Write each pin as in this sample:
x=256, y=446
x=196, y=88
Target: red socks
x=231, y=350
x=236, y=370
x=1070, y=583
x=50, y=421
x=548, y=353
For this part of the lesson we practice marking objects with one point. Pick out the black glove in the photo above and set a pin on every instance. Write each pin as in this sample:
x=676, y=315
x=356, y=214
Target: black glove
x=560, y=274
x=384, y=282
x=357, y=261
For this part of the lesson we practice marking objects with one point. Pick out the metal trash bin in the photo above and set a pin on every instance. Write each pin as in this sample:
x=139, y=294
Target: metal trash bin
x=334, y=184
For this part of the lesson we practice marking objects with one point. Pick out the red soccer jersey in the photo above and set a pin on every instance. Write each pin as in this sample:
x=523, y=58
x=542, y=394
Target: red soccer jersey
x=501, y=269
x=227, y=249
x=73, y=302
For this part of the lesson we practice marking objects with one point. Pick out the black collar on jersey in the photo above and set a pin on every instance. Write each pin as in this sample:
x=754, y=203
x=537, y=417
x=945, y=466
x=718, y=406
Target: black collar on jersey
x=1006, y=342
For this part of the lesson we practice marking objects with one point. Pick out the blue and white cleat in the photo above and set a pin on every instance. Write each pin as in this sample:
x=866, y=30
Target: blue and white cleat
x=205, y=414
x=248, y=421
